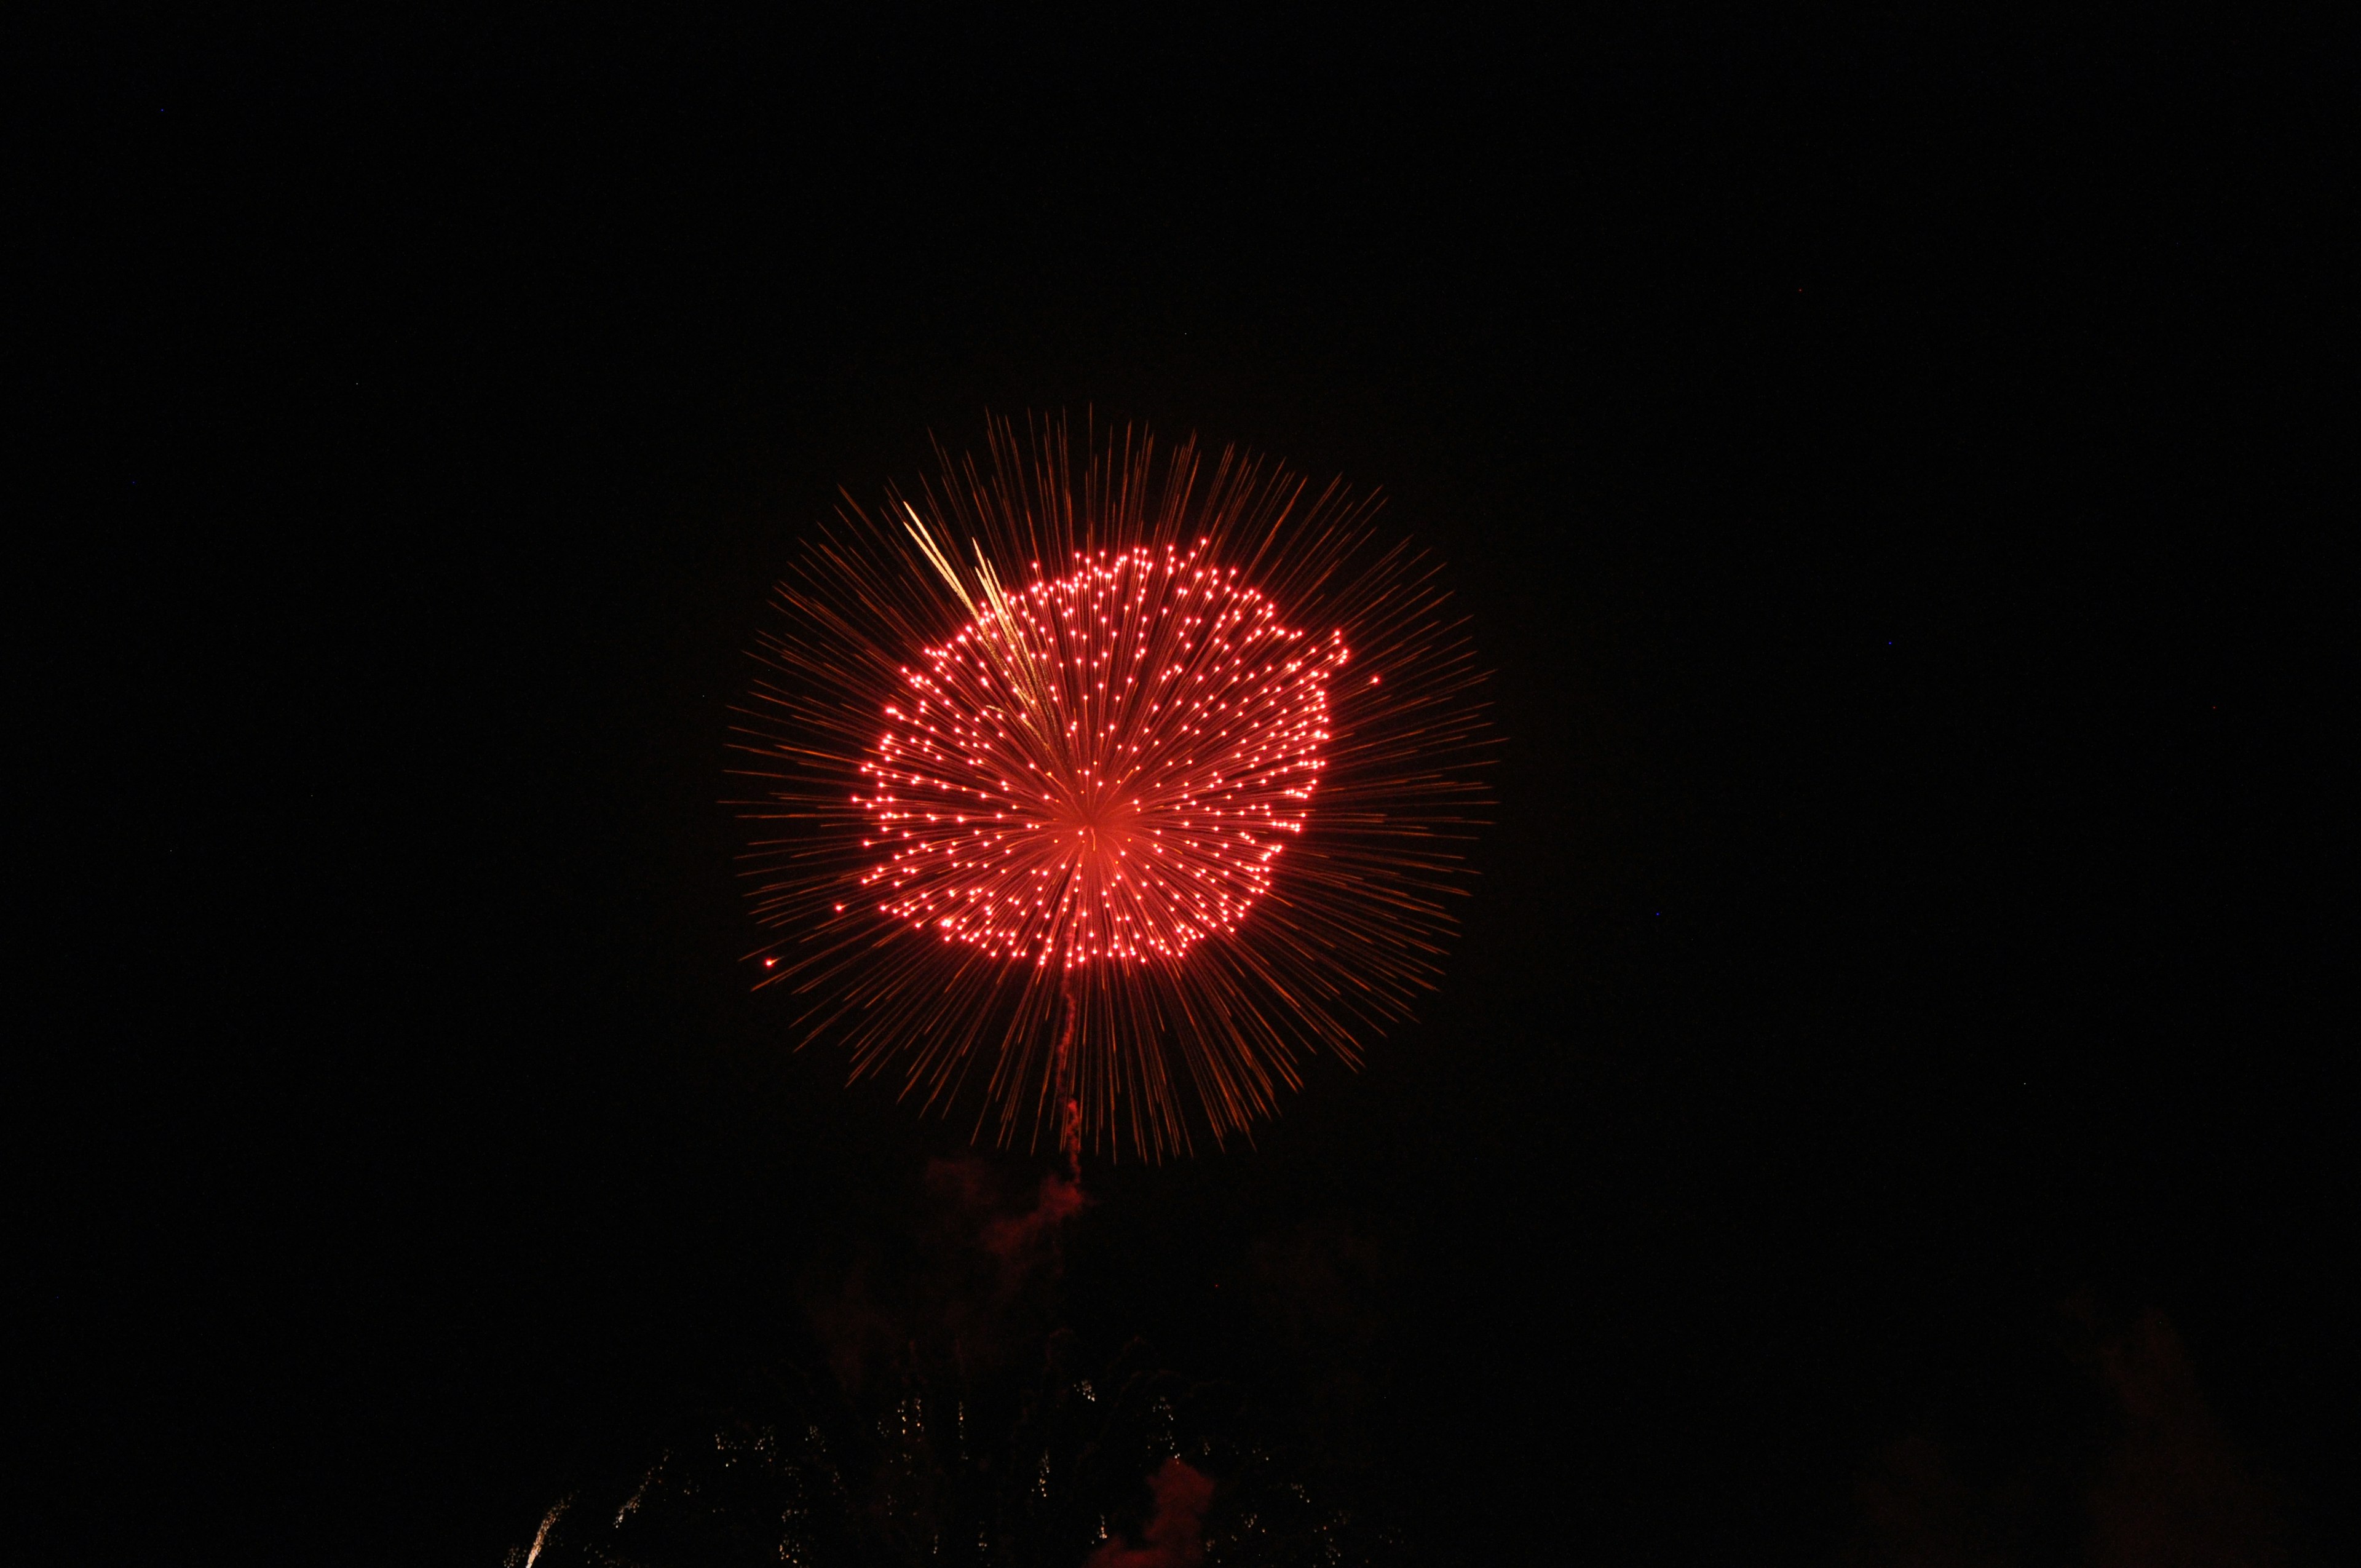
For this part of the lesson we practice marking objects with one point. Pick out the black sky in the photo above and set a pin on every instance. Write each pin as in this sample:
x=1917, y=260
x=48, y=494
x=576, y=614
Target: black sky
x=1882, y=465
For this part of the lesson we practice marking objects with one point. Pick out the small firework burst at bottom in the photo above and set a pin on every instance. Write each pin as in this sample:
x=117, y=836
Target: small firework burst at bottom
x=1132, y=1466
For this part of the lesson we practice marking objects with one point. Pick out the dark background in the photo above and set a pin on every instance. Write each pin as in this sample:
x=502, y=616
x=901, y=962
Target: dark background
x=1879, y=462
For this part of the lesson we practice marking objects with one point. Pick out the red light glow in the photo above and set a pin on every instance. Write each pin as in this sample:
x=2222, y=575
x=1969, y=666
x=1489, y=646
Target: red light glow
x=1175, y=757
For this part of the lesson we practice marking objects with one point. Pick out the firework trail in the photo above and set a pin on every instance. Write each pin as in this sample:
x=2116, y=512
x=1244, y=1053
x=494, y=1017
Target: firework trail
x=1100, y=788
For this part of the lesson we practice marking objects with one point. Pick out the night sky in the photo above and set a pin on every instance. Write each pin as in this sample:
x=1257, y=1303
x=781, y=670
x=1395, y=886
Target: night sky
x=1890, y=1055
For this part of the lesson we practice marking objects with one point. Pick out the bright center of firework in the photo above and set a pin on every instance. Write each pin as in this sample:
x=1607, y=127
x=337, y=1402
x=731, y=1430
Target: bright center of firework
x=1106, y=766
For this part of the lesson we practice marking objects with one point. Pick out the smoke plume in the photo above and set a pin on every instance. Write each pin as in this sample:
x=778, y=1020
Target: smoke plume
x=1174, y=1535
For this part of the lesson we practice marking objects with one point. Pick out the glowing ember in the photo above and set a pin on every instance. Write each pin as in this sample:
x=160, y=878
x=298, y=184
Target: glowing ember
x=1174, y=755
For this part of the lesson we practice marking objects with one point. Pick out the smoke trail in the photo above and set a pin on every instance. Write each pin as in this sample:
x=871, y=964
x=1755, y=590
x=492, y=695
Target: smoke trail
x=1174, y=1535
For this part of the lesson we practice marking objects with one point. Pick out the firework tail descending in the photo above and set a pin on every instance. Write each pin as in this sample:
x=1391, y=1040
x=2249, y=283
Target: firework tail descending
x=1070, y=1104
x=1098, y=788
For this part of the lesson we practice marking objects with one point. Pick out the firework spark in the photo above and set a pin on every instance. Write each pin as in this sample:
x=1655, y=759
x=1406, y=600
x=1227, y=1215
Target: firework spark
x=1124, y=832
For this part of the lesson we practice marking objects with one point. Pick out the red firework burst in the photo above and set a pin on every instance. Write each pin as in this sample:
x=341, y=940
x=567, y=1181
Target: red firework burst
x=1111, y=815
